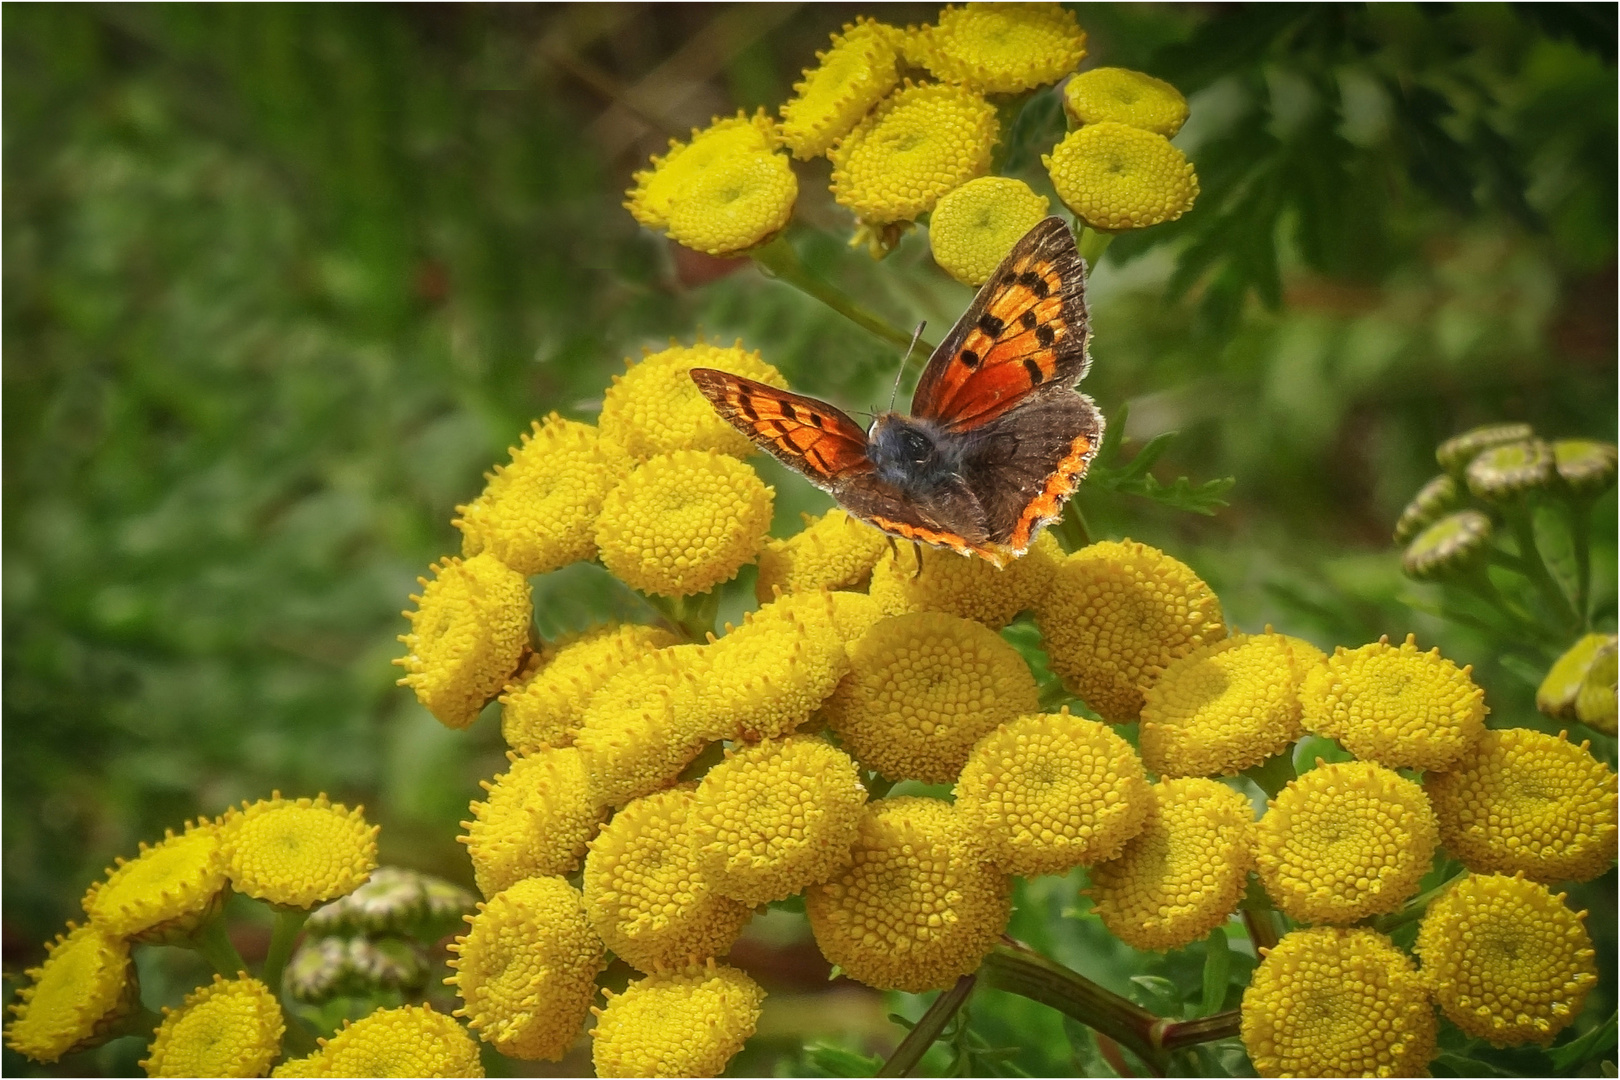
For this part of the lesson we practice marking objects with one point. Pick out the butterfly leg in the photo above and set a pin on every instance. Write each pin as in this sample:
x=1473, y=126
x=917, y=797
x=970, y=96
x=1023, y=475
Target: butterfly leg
x=916, y=547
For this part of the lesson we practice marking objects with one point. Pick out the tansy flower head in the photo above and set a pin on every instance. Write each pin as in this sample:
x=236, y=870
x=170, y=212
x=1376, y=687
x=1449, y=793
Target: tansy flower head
x=1396, y=705
x=1004, y=48
x=535, y=821
x=1223, y=707
x=310, y=1065
x=660, y=189
x=1523, y=801
x=738, y=203
x=1336, y=1002
x=684, y=522
x=1116, y=177
x=1345, y=841
x=776, y=817
x=767, y=676
x=1183, y=874
x=84, y=987
x=839, y=613
x=526, y=969
x=1126, y=96
x=851, y=76
x=468, y=635
x=689, y=1022
x=918, y=144
x=1506, y=959
x=1114, y=615
x=1504, y=473
x=915, y=910
x=232, y=1027
x=933, y=579
x=1456, y=452
x=167, y=890
x=1044, y=793
x=974, y=226
x=298, y=854
x=655, y=407
x=412, y=1040
x=1585, y=466
x=544, y=705
x=1433, y=499
x=1452, y=544
x=1596, y=703
x=922, y=689
x=645, y=893
x=644, y=726
x=1580, y=680
x=834, y=551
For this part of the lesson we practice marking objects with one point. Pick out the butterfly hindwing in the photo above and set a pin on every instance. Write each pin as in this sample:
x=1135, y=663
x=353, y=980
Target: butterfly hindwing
x=811, y=436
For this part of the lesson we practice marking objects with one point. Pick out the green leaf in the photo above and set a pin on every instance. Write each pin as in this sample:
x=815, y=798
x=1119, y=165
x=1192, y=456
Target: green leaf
x=1594, y=1045
x=1158, y=994
x=1217, y=971
x=824, y=1060
x=1206, y=498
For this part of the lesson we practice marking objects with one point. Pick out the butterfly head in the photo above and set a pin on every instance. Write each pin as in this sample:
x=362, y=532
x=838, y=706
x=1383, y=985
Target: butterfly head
x=910, y=453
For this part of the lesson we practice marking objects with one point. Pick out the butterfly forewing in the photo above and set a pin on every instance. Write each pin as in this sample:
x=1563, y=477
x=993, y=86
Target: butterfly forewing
x=815, y=438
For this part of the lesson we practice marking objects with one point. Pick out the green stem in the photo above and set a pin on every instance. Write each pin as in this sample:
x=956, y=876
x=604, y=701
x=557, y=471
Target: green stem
x=1093, y=244
x=1261, y=924
x=215, y=945
x=1524, y=533
x=1072, y=531
x=779, y=260
x=282, y=938
x=1180, y=1034
x=692, y=616
x=1479, y=583
x=1577, y=510
x=939, y=1014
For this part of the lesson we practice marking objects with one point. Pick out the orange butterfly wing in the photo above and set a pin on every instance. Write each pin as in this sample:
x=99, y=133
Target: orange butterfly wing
x=805, y=434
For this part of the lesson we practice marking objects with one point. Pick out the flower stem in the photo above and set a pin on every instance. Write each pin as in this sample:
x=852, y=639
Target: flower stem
x=779, y=260
x=1577, y=511
x=1093, y=244
x=691, y=616
x=1180, y=1034
x=1524, y=533
x=214, y=943
x=282, y=938
x=939, y=1014
x=1262, y=927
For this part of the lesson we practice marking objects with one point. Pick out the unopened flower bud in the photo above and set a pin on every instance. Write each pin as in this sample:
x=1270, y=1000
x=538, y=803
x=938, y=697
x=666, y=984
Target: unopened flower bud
x=1456, y=452
x=1505, y=472
x=1585, y=465
x=1432, y=500
x=1448, y=546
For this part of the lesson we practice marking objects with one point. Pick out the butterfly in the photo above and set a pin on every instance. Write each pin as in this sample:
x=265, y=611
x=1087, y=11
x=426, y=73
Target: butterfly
x=997, y=439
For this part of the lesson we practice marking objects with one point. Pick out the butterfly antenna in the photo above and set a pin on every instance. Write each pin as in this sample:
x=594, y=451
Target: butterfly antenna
x=915, y=335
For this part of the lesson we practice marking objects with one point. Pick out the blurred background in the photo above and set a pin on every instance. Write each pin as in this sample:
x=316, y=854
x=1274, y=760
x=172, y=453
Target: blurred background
x=282, y=282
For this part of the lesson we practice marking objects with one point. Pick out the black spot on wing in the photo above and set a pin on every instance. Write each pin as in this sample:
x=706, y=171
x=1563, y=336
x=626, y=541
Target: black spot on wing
x=1034, y=370
x=1045, y=335
x=970, y=358
x=1036, y=284
x=991, y=325
x=788, y=411
x=746, y=407
x=1028, y=319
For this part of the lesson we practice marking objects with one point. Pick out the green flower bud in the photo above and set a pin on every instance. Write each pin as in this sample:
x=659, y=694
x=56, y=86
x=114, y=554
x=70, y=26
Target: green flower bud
x=1456, y=452
x=1586, y=465
x=1505, y=472
x=1595, y=705
x=1449, y=546
x=1432, y=500
x=394, y=900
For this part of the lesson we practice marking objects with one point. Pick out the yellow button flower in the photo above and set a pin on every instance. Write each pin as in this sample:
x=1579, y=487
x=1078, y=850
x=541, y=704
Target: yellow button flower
x=167, y=890
x=833, y=551
x=659, y=190
x=1345, y=841
x=850, y=77
x=1002, y=48
x=689, y=1022
x=544, y=705
x=1114, y=616
x=767, y=676
x=684, y=522
x=1127, y=97
x=776, y=817
x=644, y=892
x=1507, y=960
x=922, y=689
x=526, y=969
x=84, y=987
x=655, y=407
x=1044, y=793
x=535, y=821
x=738, y=203
x=1117, y=177
x=975, y=226
x=1223, y=707
x=1523, y=801
x=1561, y=689
x=1336, y=1002
x=844, y=615
x=916, y=909
x=412, y=1040
x=644, y=726
x=298, y=854
x=468, y=636
x=970, y=588
x=311, y=1065
x=232, y=1027
x=1184, y=873
x=918, y=144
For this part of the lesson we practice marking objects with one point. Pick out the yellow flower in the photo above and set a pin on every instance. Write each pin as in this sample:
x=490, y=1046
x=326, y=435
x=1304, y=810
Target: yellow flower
x=539, y=512
x=544, y=705
x=660, y=189
x=922, y=689
x=232, y=1027
x=644, y=726
x=298, y=854
x=1183, y=874
x=536, y=821
x=1345, y=841
x=412, y=1040
x=468, y=635
x=1004, y=48
x=840, y=614
x=312, y=1065
x=1223, y=707
x=776, y=817
x=918, y=144
x=1507, y=960
x=684, y=522
x=1560, y=691
x=738, y=203
x=1042, y=794
x=655, y=407
x=1527, y=802
x=834, y=551
x=767, y=676
x=526, y=969
x=1338, y=1002
x=916, y=909
x=1396, y=705
x=1113, y=617
x=974, y=226
x=850, y=77
x=84, y=987
x=644, y=892
x=1116, y=177
x=167, y=890
x=689, y=1022
x=1126, y=96
x=970, y=588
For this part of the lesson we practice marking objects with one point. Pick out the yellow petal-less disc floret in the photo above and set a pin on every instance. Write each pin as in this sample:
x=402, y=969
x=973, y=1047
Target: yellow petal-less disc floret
x=468, y=636
x=1223, y=707
x=974, y=226
x=1524, y=801
x=655, y=407
x=535, y=821
x=86, y=984
x=776, y=817
x=298, y=854
x=684, y=522
x=660, y=188
x=412, y=1040
x=644, y=892
x=833, y=551
x=689, y=1022
x=1045, y=793
x=1127, y=97
x=851, y=76
x=309, y=1065
x=644, y=726
x=232, y=1027
x=1113, y=617
x=1001, y=48
x=922, y=689
x=767, y=676
x=1337, y=1002
x=1507, y=960
x=1116, y=177
x=738, y=203
x=1345, y=841
x=1183, y=874
x=168, y=889
x=970, y=588
x=544, y=705
x=526, y=969
x=918, y=144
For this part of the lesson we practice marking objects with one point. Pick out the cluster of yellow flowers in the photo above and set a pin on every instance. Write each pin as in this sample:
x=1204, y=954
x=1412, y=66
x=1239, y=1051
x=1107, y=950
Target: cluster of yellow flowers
x=910, y=121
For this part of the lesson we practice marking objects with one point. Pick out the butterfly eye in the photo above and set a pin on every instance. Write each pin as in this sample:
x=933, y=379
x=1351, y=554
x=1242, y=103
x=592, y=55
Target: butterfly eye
x=917, y=445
